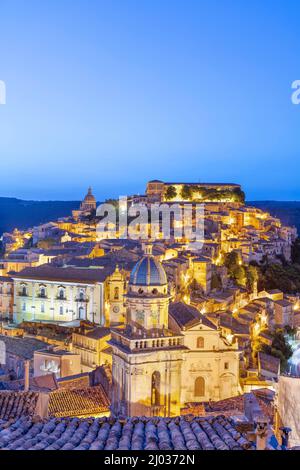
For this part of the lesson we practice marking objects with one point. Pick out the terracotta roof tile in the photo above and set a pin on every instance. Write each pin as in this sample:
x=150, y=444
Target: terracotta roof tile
x=88, y=401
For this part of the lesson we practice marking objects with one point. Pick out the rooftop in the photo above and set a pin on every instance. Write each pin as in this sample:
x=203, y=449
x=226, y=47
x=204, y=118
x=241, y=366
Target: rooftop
x=87, y=401
x=51, y=273
x=187, y=316
x=22, y=347
x=216, y=433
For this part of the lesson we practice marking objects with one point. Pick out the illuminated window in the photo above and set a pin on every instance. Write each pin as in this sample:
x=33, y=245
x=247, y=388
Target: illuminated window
x=116, y=293
x=199, y=389
x=200, y=342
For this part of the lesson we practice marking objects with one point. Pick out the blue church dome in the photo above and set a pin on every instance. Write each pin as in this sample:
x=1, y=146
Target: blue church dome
x=148, y=272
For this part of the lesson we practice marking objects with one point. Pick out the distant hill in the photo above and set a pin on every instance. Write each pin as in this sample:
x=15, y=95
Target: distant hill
x=287, y=211
x=24, y=214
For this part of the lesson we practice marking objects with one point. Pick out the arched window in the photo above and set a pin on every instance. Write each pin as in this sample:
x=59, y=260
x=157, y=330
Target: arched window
x=116, y=293
x=200, y=342
x=81, y=295
x=155, y=389
x=43, y=292
x=24, y=291
x=61, y=293
x=199, y=387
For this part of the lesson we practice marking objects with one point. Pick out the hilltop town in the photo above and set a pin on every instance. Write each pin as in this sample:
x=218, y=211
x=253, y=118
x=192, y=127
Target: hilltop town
x=94, y=326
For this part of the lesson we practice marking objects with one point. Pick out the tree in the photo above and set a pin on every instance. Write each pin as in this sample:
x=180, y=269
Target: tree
x=240, y=275
x=279, y=348
x=170, y=193
x=296, y=251
x=216, y=282
x=252, y=276
x=186, y=192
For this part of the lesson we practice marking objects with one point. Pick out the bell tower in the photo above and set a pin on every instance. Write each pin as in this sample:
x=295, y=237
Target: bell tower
x=147, y=356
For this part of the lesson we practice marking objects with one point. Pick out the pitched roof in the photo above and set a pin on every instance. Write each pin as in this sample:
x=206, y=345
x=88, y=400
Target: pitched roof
x=98, y=333
x=87, y=401
x=16, y=404
x=23, y=347
x=187, y=316
x=42, y=383
x=199, y=433
x=52, y=273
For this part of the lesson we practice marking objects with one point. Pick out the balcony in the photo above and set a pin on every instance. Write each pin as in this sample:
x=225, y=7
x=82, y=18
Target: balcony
x=42, y=296
x=84, y=299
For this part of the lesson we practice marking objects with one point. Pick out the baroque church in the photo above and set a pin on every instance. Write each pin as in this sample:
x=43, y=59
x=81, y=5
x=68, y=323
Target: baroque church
x=169, y=354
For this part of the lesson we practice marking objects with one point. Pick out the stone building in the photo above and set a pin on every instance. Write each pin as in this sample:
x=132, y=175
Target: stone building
x=60, y=295
x=167, y=355
x=6, y=297
x=91, y=345
x=60, y=362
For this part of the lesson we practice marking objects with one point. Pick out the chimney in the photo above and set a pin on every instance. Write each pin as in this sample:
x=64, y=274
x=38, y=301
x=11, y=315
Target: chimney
x=284, y=437
x=262, y=432
x=26, y=375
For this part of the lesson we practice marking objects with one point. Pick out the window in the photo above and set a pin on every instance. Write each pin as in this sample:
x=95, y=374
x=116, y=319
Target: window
x=116, y=293
x=199, y=390
x=155, y=389
x=42, y=308
x=24, y=291
x=81, y=295
x=43, y=292
x=61, y=310
x=226, y=365
x=61, y=293
x=200, y=342
x=24, y=307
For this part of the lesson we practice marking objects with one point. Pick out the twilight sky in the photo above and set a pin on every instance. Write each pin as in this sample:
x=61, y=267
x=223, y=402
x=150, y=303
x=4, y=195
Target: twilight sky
x=112, y=93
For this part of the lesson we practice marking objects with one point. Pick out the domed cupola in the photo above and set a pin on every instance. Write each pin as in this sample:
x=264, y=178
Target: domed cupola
x=89, y=202
x=148, y=271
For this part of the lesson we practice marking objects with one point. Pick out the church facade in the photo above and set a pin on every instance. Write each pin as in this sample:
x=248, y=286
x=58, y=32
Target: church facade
x=169, y=354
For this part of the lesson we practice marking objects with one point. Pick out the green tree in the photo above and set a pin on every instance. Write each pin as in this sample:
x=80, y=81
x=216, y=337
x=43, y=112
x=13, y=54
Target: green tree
x=170, y=193
x=279, y=348
x=296, y=251
x=252, y=276
x=186, y=192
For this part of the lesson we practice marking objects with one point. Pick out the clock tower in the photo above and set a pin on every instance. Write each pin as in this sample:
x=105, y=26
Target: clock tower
x=147, y=356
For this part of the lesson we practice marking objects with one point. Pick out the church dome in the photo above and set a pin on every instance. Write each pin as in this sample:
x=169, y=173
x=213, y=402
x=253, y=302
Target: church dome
x=148, y=272
x=90, y=198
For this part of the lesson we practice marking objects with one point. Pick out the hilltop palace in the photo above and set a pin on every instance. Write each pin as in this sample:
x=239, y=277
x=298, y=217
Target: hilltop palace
x=163, y=327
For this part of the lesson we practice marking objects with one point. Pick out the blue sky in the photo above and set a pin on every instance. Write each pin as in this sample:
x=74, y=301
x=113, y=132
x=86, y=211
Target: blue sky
x=114, y=93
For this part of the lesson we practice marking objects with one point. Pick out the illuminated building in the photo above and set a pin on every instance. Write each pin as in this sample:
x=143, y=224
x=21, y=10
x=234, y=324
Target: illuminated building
x=168, y=354
x=60, y=295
